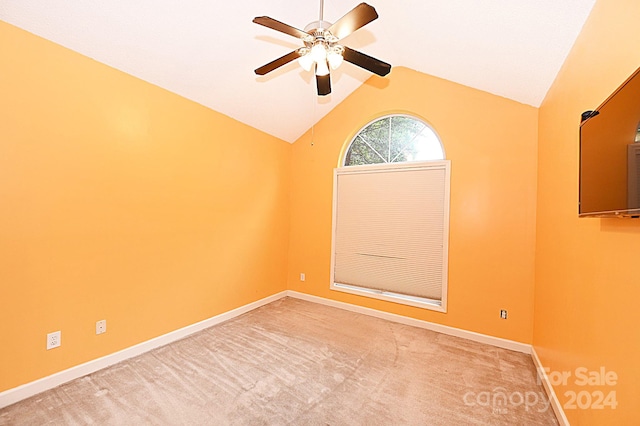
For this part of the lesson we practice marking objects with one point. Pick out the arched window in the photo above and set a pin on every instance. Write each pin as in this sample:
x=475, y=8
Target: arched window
x=394, y=139
x=391, y=214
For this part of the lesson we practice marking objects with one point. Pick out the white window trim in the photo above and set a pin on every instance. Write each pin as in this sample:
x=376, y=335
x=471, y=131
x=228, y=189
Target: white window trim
x=430, y=304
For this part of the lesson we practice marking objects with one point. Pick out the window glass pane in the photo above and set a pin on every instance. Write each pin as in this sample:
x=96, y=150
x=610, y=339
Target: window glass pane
x=403, y=132
x=360, y=153
x=376, y=135
x=425, y=146
x=394, y=139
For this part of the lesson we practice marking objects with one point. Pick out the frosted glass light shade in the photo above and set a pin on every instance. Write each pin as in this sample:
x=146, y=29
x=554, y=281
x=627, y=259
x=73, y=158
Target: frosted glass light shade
x=306, y=61
x=319, y=52
x=322, y=68
x=335, y=59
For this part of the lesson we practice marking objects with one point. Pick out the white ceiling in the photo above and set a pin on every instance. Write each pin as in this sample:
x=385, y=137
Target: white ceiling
x=207, y=50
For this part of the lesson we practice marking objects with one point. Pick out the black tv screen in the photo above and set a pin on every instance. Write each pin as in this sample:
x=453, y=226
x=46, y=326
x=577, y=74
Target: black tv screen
x=610, y=155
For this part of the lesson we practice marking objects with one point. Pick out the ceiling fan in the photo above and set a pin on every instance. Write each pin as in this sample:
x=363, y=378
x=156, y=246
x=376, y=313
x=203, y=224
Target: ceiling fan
x=321, y=45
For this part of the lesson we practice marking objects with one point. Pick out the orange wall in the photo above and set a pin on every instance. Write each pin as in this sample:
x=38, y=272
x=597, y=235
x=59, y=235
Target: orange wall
x=492, y=144
x=587, y=274
x=124, y=202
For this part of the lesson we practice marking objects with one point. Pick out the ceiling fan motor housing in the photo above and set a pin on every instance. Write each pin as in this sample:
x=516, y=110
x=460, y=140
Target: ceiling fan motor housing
x=319, y=32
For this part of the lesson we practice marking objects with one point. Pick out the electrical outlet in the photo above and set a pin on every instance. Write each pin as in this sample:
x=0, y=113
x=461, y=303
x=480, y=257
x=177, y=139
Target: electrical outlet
x=503, y=313
x=302, y=277
x=53, y=340
x=101, y=326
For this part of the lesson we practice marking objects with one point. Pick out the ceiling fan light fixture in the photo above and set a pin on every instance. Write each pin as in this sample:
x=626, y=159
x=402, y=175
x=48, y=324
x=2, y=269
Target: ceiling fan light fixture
x=335, y=58
x=330, y=38
x=305, y=60
x=319, y=52
x=322, y=68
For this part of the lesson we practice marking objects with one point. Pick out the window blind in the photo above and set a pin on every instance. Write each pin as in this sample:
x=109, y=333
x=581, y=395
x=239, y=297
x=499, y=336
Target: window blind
x=391, y=228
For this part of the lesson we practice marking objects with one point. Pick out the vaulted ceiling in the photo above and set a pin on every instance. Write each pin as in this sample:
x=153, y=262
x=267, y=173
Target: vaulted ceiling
x=207, y=50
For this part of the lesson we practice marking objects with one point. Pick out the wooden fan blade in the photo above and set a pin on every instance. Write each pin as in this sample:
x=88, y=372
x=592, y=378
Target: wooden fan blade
x=358, y=17
x=323, y=83
x=283, y=60
x=279, y=26
x=367, y=62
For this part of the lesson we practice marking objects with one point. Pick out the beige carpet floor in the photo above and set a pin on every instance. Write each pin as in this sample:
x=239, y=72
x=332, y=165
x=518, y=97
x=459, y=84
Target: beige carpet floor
x=298, y=363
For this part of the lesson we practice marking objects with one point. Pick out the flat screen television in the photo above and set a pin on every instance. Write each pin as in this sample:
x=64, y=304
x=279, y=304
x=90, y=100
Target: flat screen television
x=610, y=155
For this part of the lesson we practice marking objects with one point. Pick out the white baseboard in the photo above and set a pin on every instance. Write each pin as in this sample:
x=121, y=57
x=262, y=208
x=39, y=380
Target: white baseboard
x=444, y=329
x=548, y=388
x=27, y=390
